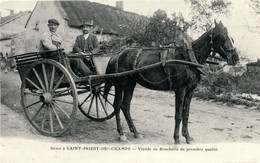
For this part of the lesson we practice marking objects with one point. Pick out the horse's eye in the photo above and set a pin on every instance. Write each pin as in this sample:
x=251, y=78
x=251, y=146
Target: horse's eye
x=232, y=40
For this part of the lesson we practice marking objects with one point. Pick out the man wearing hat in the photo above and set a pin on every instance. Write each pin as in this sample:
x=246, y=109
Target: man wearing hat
x=50, y=40
x=86, y=43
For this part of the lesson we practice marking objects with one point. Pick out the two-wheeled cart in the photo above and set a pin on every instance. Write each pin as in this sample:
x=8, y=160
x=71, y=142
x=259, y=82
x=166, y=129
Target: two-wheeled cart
x=51, y=92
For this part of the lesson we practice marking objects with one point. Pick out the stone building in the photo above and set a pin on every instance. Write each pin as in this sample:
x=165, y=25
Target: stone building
x=12, y=37
x=71, y=14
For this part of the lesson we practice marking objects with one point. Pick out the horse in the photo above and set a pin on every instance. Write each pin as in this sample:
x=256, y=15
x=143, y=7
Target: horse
x=180, y=78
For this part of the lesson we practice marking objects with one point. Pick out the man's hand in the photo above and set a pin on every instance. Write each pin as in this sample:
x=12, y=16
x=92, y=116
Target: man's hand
x=77, y=55
x=82, y=53
x=86, y=54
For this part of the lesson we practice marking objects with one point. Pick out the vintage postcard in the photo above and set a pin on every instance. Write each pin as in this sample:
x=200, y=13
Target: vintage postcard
x=130, y=81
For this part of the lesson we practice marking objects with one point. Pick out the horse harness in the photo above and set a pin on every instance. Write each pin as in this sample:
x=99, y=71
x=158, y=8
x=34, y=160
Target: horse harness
x=166, y=71
x=163, y=59
x=164, y=55
x=186, y=55
x=212, y=45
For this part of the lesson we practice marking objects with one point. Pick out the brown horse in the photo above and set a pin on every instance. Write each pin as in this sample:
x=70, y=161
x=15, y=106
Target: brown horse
x=182, y=79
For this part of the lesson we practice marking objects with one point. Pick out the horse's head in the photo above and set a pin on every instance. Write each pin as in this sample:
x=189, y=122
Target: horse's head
x=222, y=43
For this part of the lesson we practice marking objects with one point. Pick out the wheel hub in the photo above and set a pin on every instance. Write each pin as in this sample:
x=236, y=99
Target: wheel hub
x=46, y=98
x=96, y=90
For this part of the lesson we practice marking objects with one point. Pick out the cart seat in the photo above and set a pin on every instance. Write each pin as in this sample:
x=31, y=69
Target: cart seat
x=88, y=61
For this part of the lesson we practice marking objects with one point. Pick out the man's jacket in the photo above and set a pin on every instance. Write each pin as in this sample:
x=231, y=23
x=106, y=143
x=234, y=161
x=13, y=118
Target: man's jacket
x=50, y=41
x=91, y=44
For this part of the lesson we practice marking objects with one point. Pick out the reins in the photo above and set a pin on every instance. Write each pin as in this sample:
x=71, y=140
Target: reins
x=174, y=47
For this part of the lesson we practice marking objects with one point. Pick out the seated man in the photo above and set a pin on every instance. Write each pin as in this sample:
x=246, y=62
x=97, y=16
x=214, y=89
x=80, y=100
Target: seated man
x=50, y=40
x=87, y=43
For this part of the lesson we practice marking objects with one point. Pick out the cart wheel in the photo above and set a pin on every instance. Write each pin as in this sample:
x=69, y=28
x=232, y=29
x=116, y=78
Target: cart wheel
x=95, y=106
x=49, y=97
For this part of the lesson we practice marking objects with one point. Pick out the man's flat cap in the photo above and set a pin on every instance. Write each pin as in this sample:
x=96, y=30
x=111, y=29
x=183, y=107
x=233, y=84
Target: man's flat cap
x=54, y=21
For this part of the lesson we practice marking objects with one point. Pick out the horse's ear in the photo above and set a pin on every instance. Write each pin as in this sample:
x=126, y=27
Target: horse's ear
x=216, y=24
x=220, y=23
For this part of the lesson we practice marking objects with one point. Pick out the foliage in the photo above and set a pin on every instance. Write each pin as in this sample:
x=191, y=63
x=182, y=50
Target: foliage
x=223, y=82
x=255, y=5
x=156, y=28
x=223, y=87
x=218, y=83
x=204, y=12
x=249, y=82
x=134, y=30
x=162, y=30
x=179, y=21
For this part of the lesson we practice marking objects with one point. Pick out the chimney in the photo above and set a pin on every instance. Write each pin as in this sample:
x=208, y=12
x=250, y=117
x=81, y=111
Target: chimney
x=120, y=5
x=11, y=12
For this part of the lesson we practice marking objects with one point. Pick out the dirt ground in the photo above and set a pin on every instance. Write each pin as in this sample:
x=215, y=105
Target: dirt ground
x=153, y=115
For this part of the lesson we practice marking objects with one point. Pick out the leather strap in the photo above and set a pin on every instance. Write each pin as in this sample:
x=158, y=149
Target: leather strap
x=136, y=58
x=163, y=60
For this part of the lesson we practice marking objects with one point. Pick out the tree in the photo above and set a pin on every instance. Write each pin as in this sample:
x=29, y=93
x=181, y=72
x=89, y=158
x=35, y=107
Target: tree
x=134, y=29
x=179, y=20
x=162, y=30
x=158, y=29
x=204, y=12
x=255, y=5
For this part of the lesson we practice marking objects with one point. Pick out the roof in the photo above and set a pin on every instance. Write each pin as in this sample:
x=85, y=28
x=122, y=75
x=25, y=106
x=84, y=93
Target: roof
x=104, y=17
x=9, y=18
x=8, y=37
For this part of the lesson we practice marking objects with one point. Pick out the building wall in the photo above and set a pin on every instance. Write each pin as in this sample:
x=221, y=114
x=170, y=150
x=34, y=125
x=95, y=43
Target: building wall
x=14, y=29
x=13, y=46
x=15, y=26
x=37, y=25
x=5, y=47
x=19, y=44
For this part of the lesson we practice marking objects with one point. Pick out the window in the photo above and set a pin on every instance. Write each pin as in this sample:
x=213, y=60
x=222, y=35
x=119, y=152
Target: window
x=36, y=27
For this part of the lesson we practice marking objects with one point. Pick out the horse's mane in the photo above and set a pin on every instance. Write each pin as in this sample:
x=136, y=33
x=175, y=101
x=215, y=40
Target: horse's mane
x=202, y=36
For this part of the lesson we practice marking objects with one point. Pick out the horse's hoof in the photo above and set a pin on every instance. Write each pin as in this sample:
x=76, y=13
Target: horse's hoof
x=138, y=136
x=189, y=140
x=177, y=142
x=122, y=137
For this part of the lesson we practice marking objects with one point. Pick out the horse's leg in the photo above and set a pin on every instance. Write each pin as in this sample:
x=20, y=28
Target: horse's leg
x=128, y=94
x=117, y=104
x=185, y=116
x=179, y=99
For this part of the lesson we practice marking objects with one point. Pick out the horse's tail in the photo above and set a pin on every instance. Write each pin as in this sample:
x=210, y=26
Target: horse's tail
x=109, y=82
x=108, y=85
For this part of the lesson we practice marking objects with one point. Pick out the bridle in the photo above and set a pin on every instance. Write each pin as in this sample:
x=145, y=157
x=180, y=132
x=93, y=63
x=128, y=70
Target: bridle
x=215, y=45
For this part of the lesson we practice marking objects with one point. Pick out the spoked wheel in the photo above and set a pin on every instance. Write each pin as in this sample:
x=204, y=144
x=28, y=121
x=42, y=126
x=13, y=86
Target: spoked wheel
x=95, y=105
x=49, y=97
